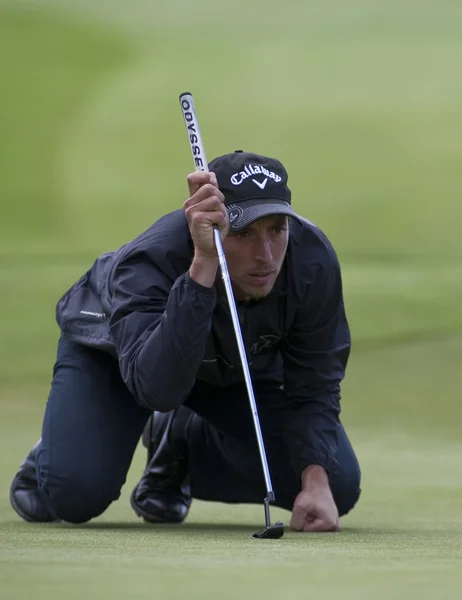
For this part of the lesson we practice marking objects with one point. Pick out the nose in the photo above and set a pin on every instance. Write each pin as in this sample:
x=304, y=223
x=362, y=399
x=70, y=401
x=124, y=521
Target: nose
x=263, y=251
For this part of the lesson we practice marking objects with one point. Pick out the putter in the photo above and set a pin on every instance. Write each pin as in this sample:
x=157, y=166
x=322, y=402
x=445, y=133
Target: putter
x=200, y=162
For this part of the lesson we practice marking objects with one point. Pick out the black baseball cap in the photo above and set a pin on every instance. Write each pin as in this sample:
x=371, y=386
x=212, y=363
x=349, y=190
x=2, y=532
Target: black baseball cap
x=254, y=186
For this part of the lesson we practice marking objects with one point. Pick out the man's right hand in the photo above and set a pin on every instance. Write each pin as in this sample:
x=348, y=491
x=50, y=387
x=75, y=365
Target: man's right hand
x=205, y=210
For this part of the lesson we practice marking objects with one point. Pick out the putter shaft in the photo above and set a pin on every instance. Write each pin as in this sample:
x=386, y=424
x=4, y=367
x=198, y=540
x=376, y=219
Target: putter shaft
x=201, y=164
x=245, y=367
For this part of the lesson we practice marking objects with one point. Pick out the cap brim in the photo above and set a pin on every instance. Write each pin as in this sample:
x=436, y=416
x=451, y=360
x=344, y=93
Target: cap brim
x=242, y=214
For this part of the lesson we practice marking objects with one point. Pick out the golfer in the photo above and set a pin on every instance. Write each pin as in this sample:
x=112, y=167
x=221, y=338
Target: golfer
x=147, y=345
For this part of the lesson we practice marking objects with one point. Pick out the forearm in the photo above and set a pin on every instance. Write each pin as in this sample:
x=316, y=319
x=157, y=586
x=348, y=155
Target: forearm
x=314, y=476
x=160, y=366
x=203, y=269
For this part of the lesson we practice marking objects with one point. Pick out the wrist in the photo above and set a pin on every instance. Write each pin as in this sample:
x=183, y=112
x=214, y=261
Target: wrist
x=203, y=269
x=314, y=476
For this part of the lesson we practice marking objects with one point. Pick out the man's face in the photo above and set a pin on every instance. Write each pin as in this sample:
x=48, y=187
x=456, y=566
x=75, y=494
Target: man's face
x=255, y=256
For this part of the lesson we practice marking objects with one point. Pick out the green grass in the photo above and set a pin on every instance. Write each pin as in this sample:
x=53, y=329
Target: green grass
x=403, y=542
x=48, y=65
x=362, y=102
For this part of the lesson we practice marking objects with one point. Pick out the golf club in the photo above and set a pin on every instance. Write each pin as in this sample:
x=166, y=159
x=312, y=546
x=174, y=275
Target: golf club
x=200, y=162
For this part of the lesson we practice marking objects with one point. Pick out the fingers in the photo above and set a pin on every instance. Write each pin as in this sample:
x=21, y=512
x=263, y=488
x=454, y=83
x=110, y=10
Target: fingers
x=205, y=210
x=297, y=521
x=308, y=517
x=320, y=525
x=207, y=190
x=209, y=211
x=199, y=178
x=312, y=524
x=206, y=205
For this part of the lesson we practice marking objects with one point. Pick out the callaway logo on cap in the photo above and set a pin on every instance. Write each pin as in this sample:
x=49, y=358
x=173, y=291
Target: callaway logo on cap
x=252, y=170
x=254, y=186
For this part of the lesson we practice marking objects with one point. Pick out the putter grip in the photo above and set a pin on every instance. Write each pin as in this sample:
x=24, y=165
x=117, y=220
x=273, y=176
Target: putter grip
x=194, y=134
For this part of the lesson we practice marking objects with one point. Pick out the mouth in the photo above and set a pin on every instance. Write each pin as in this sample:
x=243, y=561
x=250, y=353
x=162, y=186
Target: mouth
x=261, y=278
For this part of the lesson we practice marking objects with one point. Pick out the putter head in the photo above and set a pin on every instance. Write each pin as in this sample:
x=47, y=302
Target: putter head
x=273, y=532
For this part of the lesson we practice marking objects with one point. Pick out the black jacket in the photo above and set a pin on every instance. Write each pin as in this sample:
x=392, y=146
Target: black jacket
x=139, y=304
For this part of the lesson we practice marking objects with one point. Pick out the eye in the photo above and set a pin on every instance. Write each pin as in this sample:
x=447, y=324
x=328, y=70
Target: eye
x=278, y=229
x=243, y=234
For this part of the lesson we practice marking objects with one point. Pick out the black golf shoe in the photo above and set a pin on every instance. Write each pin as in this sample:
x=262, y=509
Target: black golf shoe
x=25, y=497
x=163, y=494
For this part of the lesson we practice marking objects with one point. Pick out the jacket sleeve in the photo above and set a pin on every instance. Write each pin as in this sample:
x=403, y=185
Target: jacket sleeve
x=159, y=331
x=316, y=352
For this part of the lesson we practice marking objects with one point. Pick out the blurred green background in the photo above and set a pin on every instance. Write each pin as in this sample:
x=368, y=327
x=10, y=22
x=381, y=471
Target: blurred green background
x=362, y=101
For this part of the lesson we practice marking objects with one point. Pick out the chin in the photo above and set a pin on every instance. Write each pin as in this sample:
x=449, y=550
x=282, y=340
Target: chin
x=258, y=294
x=243, y=293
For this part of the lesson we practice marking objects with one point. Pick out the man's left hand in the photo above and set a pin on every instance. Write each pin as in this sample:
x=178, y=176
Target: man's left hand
x=314, y=507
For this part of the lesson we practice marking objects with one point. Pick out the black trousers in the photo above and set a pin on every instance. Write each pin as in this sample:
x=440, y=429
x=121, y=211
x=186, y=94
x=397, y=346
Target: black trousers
x=92, y=426
x=225, y=463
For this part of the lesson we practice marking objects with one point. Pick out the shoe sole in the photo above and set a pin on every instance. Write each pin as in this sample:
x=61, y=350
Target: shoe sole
x=149, y=517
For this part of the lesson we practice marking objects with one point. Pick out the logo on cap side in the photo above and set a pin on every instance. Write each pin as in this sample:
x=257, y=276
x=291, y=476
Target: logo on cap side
x=250, y=170
x=234, y=213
